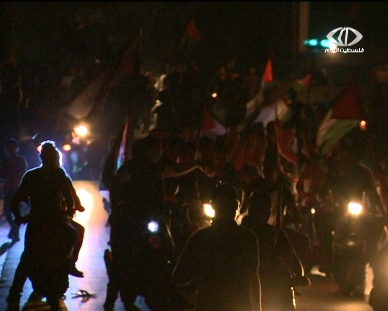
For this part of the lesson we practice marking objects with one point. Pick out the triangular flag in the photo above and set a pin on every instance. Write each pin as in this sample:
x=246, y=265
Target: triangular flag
x=268, y=74
x=192, y=32
x=347, y=107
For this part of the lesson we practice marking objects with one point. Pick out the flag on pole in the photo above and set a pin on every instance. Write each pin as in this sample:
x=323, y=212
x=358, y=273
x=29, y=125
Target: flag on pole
x=119, y=153
x=348, y=105
x=268, y=73
x=89, y=99
x=340, y=119
x=210, y=126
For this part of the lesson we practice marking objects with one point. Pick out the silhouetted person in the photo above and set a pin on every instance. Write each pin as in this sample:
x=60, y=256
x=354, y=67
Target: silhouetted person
x=275, y=279
x=222, y=260
x=48, y=239
x=136, y=193
x=12, y=171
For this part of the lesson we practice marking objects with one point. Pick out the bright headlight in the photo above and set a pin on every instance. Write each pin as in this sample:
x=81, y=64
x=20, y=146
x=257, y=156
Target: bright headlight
x=354, y=208
x=208, y=209
x=153, y=226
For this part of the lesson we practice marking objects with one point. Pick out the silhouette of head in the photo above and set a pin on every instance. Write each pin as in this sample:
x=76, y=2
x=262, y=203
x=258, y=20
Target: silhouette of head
x=260, y=205
x=48, y=153
x=225, y=201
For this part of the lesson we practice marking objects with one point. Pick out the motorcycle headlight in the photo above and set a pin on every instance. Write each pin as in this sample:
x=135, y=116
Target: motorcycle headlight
x=208, y=210
x=354, y=208
x=153, y=226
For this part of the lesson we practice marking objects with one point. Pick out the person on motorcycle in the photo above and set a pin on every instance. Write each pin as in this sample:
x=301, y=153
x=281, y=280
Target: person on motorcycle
x=222, y=260
x=280, y=266
x=45, y=188
x=136, y=191
x=137, y=194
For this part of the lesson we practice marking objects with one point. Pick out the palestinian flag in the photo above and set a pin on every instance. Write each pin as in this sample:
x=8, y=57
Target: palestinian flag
x=345, y=115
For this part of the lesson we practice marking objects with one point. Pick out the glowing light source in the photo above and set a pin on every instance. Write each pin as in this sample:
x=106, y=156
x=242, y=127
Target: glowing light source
x=209, y=211
x=354, y=208
x=363, y=125
x=214, y=95
x=66, y=147
x=81, y=130
x=325, y=43
x=153, y=226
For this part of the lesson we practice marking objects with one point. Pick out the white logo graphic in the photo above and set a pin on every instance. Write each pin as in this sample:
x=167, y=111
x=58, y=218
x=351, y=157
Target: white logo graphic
x=342, y=39
x=344, y=31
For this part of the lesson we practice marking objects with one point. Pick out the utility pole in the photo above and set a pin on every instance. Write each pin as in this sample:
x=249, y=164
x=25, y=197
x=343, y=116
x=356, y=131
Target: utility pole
x=303, y=33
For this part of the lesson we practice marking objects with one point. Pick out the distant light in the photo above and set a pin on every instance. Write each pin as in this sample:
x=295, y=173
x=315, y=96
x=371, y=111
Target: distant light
x=363, y=125
x=153, y=226
x=311, y=42
x=214, y=95
x=325, y=43
x=66, y=147
x=97, y=61
x=81, y=130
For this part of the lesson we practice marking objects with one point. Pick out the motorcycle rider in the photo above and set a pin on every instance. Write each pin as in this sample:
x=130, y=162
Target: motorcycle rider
x=348, y=179
x=136, y=194
x=45, y=187
x=280, y=266
x=222, y=259
x=136, y=191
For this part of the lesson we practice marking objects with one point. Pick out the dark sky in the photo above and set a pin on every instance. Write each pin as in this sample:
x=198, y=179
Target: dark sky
x=248, y=31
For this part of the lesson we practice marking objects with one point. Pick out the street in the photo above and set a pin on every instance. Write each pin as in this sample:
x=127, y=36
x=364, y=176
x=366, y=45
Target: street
x=321, y=295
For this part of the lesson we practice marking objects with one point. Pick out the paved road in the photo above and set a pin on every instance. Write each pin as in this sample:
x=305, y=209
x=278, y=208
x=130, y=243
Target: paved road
x=322, y=295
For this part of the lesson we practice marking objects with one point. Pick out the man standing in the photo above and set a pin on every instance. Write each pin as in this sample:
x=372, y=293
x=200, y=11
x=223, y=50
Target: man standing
x=12, y=171
x=222, y=259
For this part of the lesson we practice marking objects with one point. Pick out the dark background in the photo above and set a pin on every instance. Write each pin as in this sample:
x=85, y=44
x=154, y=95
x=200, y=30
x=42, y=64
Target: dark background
x=50, y=32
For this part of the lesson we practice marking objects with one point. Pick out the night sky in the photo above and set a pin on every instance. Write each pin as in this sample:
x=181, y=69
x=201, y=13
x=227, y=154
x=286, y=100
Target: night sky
x=248, y=31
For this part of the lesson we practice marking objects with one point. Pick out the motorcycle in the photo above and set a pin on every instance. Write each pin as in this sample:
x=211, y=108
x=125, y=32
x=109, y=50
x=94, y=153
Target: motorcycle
x=50, y=260
x=356, y=232
x=152, y=261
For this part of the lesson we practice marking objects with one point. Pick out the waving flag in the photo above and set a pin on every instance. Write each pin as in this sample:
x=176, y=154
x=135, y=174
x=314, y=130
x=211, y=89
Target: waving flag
x=269, y=113
x=127, y=63
x=210, y=126
x=341, y=119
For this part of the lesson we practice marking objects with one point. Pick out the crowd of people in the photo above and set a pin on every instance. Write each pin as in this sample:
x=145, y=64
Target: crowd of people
x=271, y=179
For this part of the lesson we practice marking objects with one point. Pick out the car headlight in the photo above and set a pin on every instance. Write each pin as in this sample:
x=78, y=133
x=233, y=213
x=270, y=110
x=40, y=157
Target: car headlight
x=354, y=208
x=153, y=226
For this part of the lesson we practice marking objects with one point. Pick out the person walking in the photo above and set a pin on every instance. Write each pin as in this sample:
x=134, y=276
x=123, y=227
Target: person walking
x=12, y=171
